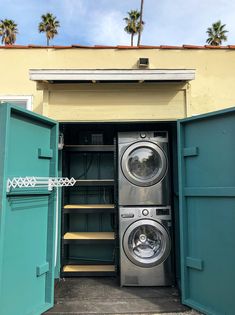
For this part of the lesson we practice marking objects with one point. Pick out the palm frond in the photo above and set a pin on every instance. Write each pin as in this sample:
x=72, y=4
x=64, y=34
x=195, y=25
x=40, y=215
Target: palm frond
x=133, y=25
x=49, y=25
x=8, y=31
x=216, y=34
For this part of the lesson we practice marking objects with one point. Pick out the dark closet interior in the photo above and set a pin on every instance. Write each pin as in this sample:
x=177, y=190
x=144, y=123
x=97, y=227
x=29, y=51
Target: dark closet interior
x=89, y=225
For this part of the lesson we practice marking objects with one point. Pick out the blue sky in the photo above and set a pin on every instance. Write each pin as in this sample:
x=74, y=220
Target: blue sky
x=94, y=22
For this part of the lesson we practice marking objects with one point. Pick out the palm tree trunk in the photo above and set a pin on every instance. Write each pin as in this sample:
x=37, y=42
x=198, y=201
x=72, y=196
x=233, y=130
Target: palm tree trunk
x=132, y=39
x=48, y=41
x=141, y=21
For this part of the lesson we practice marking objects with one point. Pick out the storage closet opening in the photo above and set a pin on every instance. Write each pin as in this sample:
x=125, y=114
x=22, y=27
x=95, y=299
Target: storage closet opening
x=89, y=217
x=90, y=244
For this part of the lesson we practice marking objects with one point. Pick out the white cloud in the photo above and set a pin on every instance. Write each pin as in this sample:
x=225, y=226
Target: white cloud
x=107, y=28
x=72, y=9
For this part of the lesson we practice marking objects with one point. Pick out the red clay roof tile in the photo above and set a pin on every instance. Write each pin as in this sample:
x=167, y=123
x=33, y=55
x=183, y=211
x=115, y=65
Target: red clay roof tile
x=13, y=46
x=215, y=47
x=37, y=46
x=148, y=47
x=104, y=47
x=60, y=47
x=30, y=46
x=193, y=47
x=81, y=46
x=170, y=47
x=126, y=47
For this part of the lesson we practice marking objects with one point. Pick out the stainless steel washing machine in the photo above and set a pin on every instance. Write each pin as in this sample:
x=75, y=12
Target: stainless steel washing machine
x=145, y=246
x=144, y=176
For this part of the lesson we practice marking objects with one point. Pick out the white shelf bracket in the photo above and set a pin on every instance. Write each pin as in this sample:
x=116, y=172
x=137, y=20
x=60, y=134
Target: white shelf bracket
x=39, y=182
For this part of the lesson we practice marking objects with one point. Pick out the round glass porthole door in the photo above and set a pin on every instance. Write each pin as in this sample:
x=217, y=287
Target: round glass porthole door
x=146, y=243
x=144, y=163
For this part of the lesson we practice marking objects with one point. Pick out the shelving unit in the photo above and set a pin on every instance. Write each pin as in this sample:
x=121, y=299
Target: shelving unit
x=89, y=220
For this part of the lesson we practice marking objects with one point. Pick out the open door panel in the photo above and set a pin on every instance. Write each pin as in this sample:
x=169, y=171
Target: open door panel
x=27, y=216
x=207, y=211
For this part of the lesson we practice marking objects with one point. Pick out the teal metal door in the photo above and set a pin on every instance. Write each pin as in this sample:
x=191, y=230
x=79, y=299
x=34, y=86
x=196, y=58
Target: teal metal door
x=207, y=211
x=27, y=215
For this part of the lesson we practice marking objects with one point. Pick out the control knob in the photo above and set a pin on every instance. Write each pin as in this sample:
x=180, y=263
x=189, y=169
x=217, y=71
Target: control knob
x=145, y=212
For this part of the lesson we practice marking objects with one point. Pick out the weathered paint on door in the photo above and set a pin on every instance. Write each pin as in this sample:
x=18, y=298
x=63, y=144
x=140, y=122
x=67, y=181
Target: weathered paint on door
x=27, y=217
x=207, y=211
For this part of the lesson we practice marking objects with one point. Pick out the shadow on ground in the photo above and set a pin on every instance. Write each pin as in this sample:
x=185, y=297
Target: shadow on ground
x=80, y=296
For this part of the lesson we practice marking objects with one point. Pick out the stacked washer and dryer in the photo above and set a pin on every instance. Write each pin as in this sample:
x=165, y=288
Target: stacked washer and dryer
x=145, y=218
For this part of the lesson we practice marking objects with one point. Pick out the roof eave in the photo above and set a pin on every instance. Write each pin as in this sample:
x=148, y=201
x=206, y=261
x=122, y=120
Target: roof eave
x=111, y=75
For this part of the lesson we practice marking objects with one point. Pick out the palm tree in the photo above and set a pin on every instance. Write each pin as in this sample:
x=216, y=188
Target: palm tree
x=8, y=31
x=49, y=25
x=133, y=24
x=216, y=34
x=141, y=21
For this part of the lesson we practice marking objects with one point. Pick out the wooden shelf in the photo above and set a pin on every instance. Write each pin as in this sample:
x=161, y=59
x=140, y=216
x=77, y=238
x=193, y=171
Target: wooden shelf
x=89, y=148
x=89, y=208
x=88, y=270
x=94, y=182
x=86, y=237
x=89, y=236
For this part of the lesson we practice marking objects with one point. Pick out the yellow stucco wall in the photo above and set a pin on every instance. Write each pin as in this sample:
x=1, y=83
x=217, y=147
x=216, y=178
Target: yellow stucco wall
x=104, y=102
x=212, y=89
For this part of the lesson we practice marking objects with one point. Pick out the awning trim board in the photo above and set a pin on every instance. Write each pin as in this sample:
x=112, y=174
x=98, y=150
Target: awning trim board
x=52, y=75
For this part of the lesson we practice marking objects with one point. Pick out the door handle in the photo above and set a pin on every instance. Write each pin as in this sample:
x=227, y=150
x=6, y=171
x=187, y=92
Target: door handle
x=45, y=153
x=194, y=263
x=42, y=269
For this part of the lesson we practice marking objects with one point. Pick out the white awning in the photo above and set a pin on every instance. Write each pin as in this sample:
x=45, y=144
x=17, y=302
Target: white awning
x=54, y=75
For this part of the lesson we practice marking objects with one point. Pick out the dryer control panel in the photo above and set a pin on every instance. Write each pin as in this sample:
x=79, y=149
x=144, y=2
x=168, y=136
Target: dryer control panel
x=161, y=213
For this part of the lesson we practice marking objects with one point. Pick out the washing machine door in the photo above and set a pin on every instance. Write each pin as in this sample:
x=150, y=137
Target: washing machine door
x=146, y=243
x=144, y=163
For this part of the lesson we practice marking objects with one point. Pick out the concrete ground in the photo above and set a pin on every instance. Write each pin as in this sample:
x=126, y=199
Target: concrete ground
x=190, y=312
x=103, y=296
